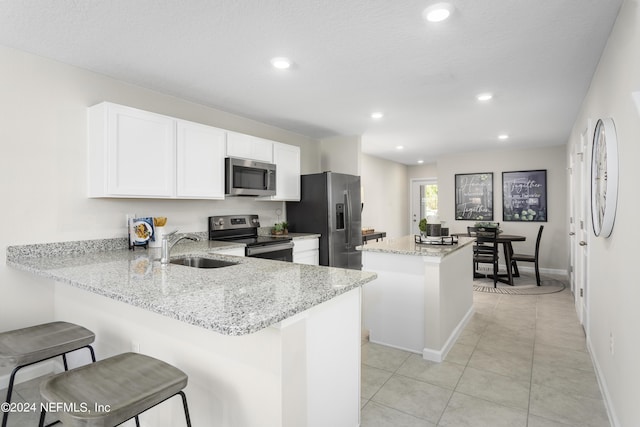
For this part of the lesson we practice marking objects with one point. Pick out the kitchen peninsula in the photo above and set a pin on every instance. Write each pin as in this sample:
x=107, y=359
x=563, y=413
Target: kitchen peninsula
x=264, y=342
x=423, y=296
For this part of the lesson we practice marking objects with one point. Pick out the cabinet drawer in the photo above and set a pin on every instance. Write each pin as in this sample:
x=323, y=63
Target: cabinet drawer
x=300, y=245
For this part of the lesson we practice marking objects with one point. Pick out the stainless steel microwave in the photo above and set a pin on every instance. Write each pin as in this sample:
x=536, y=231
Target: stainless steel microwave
x=249, y=178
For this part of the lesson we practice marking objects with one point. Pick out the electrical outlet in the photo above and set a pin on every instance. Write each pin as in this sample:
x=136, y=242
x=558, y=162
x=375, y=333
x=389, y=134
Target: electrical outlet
x=135, y=347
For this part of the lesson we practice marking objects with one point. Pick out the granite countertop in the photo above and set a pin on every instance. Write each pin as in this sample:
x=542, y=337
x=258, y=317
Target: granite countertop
x=236, y=300
x=407, y=245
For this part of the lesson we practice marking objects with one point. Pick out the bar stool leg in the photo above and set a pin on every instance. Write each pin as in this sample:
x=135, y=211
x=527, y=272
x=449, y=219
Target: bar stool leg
x=43, y=414
x=5, y=415
x=186, y=408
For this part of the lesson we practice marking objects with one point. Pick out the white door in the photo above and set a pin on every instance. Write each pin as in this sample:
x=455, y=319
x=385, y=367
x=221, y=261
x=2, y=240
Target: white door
x=580, y=227
x=424, y=202
x=573, y=170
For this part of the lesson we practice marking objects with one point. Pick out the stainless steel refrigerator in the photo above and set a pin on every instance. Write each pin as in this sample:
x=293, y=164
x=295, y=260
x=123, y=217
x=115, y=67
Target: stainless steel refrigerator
x=330, y=205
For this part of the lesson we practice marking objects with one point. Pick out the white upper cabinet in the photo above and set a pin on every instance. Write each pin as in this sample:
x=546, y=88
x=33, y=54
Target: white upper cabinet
x=249, y=147
x=131, y=153
x=199, y=161
x=139, y=154
x=287, y=160
x=135, y=153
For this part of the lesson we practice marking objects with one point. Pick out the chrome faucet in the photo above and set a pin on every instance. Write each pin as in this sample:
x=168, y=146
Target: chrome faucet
x=169, y=242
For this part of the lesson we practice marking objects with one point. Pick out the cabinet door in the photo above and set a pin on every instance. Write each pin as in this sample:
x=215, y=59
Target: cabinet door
x=249, y=147
x=199, y=161
x=305, y=251
x=287, y=160
x=309, y=258
x=140, y=153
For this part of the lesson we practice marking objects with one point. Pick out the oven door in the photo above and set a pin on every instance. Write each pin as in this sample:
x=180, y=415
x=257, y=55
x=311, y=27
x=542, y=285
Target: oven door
x=279, y=252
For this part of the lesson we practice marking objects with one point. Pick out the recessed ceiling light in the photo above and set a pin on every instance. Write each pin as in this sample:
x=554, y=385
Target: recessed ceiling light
x=377, y=115
x=421, y=161
x=438, y=12
x=281, y=63
x=399, y=147
x=484, y=97
x=503, y=136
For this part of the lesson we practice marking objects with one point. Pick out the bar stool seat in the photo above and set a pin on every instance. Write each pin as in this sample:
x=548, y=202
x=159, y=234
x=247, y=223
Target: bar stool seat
x=112, y=391
x=26, y=346
x=22, y=347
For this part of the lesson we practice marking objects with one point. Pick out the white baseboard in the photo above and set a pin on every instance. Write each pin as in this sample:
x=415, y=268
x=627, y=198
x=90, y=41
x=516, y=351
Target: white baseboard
x=613, y=419
x=436, y=355
x=528, y=269
x=30, y=372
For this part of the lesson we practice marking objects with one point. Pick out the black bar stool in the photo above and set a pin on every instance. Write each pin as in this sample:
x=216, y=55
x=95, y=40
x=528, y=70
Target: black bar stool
x=26, y=346
x=112, y=391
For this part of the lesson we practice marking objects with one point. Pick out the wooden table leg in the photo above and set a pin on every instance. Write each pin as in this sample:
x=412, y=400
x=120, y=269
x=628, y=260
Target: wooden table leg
x=508, y=250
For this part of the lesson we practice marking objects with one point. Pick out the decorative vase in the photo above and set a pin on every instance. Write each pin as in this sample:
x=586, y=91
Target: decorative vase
x=433, y=230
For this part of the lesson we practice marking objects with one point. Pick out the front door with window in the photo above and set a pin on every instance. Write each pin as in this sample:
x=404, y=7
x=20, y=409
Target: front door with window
x=424, y=202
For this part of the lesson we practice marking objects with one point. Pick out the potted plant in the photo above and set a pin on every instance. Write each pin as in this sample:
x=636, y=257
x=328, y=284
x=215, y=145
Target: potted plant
x=422, y=225
x=281, y=228
x=277, y=228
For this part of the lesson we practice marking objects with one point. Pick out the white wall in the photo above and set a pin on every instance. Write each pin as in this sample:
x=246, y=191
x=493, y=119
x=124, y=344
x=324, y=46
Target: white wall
x=43, y=126
x=428, y=171
x=554, y=244
x=341, y=154
x=613, y=290
x=385, y=189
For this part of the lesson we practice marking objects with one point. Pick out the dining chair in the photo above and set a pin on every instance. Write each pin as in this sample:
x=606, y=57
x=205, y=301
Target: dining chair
x=485, y=250
x=530, y=258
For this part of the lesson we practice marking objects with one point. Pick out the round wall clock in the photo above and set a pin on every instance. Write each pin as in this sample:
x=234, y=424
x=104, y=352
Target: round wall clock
x=604, y=177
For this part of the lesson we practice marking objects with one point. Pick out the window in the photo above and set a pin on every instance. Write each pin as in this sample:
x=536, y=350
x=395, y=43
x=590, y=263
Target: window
x=428, y=200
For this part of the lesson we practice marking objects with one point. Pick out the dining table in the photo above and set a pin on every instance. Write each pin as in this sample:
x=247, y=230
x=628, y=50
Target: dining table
x=506, y=241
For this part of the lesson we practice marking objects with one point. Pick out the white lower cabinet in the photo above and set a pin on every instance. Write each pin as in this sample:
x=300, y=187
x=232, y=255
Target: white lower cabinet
x=232, y=251
x=305, y=251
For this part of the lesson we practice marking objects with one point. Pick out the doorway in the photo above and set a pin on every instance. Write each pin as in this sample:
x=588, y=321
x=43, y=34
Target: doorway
x=424, y=201
x=578, y=227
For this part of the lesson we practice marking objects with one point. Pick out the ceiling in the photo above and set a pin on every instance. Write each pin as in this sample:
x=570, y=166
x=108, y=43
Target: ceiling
x=351, y=58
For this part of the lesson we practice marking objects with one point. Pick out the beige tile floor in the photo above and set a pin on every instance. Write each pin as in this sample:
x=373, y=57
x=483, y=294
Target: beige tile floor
x=522, y=361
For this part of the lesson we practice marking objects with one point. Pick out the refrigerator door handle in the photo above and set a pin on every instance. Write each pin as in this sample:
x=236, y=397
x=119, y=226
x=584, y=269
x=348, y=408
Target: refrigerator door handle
x=347, y=195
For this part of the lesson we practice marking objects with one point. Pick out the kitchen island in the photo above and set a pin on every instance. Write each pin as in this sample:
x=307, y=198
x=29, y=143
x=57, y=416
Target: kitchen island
x=264, y=342
x=423, y=296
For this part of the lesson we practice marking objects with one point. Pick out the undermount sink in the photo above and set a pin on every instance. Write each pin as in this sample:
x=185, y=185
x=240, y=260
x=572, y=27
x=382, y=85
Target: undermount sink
x=200, y=262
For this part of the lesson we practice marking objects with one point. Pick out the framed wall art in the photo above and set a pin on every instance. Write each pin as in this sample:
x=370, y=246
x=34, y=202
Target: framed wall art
x=524, y=196
x=474, y=196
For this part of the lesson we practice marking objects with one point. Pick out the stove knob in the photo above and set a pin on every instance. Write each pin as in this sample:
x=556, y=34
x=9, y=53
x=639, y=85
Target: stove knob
x=254, y=220
x=221, y=221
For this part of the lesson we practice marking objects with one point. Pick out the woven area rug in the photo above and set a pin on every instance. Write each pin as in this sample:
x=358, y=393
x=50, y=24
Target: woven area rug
x=523, y=285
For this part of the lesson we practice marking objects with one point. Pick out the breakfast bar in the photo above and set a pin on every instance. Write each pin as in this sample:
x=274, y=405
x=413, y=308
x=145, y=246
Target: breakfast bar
x=263, y=342
x=423, y=296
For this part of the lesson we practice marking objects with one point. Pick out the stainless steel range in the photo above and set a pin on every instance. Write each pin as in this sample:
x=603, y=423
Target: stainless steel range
x=244, y=229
